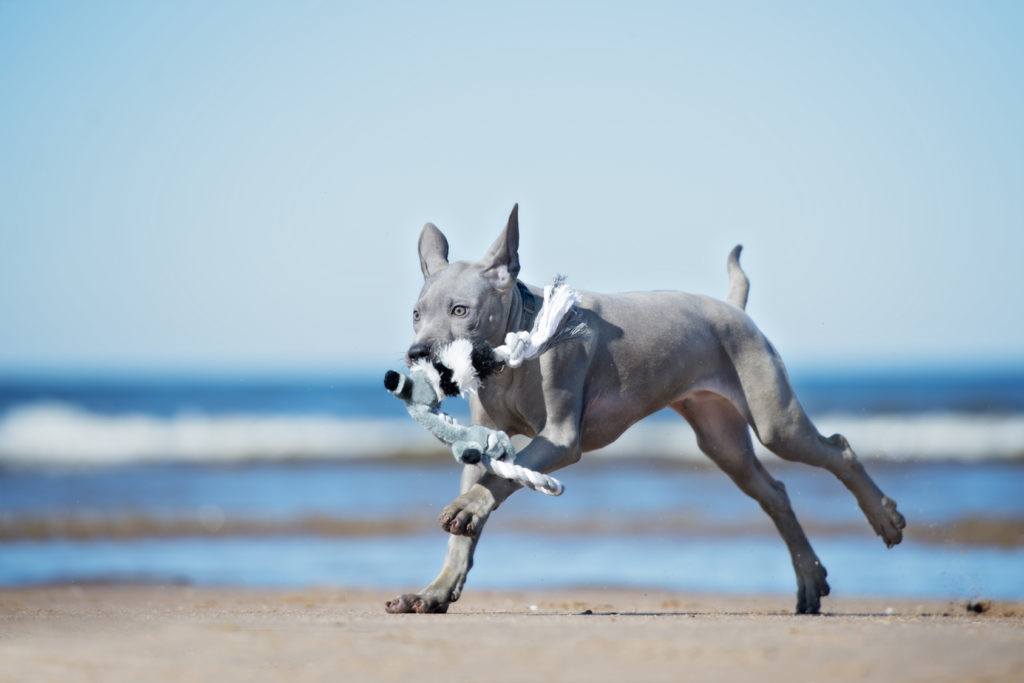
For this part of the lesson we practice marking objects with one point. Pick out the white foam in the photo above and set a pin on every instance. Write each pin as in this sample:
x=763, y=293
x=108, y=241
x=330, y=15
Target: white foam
x=54, y=433
x=927, y=436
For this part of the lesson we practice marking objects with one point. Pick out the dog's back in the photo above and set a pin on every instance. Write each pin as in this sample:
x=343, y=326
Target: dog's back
x=650, y=349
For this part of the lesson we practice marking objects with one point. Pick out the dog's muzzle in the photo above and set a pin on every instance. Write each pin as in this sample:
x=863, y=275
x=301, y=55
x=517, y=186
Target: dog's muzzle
x=417, y=352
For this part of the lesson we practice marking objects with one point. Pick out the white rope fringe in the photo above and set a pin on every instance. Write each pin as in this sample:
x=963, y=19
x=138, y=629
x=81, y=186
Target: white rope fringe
x=520, y=346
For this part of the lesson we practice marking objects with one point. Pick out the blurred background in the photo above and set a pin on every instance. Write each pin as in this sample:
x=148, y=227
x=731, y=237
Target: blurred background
x=208, y=220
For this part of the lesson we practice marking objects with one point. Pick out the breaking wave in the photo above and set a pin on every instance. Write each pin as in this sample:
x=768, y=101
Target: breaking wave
x=899, y=437
x=55, y=433
x=42, y=434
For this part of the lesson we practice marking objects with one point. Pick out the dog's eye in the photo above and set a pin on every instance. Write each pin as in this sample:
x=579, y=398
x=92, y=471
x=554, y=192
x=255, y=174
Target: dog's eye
x=416, y=316
x=459, y=311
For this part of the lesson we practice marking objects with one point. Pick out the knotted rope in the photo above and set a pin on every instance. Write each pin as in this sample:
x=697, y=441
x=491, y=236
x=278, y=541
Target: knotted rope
x=547, y=329
x=504, y=466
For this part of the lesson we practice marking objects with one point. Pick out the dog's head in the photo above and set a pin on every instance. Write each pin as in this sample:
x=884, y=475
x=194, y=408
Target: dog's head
x=464, y=299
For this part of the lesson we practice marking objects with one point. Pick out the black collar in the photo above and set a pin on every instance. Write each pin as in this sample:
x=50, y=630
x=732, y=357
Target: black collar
x=530, y=307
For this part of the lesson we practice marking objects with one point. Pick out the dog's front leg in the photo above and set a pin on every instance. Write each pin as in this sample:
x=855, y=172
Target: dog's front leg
x=447, y=587
x=466, y=515
x=556, y=421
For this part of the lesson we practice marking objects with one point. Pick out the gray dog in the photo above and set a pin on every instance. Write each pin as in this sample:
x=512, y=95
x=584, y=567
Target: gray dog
x=702, y=357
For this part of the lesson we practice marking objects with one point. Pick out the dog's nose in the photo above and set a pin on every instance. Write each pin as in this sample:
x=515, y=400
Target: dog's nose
x=418, y=351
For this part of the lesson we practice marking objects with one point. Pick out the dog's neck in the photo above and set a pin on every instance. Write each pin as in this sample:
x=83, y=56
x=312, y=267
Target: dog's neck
x=529, y=304
x=522, y=310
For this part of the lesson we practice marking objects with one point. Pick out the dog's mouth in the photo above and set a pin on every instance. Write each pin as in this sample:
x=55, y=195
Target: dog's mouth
x=480, y=356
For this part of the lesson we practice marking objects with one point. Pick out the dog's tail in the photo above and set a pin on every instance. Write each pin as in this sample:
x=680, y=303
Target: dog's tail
x=739, y=285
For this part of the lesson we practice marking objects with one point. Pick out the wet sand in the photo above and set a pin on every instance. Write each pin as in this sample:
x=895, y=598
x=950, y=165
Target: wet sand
x=153, y=633
x=967, y=531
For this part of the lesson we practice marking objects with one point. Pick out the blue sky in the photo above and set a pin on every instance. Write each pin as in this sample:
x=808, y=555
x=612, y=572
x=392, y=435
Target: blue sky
x=240, y=185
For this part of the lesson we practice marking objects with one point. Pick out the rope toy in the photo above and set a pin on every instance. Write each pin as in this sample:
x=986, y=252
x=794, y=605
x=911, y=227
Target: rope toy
x=461, y=367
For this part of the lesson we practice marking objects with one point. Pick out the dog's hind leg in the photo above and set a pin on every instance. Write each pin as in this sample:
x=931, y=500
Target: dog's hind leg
x=723, y=436
x=447, y=587
x=785, y=429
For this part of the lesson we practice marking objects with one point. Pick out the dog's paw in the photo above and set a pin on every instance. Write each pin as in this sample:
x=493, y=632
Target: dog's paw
x=465, y=516
x=888, y=522
x=408, y=603
x=811, y=588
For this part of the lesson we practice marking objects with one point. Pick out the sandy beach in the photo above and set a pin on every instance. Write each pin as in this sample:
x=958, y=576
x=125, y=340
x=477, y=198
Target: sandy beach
x=156, y=633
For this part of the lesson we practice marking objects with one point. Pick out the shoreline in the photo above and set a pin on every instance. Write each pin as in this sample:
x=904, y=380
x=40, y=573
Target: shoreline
x=142, y=632
x=967, y=531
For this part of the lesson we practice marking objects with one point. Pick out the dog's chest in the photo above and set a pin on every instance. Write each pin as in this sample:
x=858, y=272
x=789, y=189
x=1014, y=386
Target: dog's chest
x=496, y=406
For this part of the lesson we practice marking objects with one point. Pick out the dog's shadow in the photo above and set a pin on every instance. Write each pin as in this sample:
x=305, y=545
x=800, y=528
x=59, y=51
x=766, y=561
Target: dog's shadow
x=700, y=613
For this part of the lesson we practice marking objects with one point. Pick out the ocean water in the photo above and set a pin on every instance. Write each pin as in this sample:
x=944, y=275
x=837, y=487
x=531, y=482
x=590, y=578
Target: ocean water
x=295, y=482
x=894, y=415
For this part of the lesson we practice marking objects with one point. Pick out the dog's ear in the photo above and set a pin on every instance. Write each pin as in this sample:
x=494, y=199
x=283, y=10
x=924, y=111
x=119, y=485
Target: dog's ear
x=433, y=250
x=501, y=264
